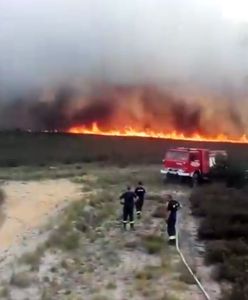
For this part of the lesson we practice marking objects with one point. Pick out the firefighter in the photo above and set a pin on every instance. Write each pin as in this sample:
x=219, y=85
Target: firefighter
x=128, y=200
x=172, y=208
x=140, y=193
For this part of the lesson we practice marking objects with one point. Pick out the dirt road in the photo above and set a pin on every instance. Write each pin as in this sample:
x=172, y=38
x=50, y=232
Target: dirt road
x=29, y=204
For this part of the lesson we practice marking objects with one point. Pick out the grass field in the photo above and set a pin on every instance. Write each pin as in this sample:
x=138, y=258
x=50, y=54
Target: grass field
x=41, y=149
x=113, y=162
x=87, y=255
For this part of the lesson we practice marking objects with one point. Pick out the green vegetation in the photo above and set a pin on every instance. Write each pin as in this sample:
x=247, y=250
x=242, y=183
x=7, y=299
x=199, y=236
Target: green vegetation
x=4, y=292
x=2, y=196
x=224, y=224
x=111, y=286
x=153, y=244
x=103, y=164
x=22, y=279
x=79, y=218
x=33, y=258
x=167, y=296
x=39, y=173
x=41, y=149
x=149, y=272
x=232, y=172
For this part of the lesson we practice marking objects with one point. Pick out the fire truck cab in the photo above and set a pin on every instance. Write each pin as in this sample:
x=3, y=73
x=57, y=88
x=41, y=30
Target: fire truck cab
x=194, y=163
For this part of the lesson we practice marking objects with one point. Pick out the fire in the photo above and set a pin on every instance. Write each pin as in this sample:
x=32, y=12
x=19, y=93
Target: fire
x=132, y=132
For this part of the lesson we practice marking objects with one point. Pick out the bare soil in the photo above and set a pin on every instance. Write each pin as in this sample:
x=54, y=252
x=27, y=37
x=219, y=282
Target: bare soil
x=28, y=206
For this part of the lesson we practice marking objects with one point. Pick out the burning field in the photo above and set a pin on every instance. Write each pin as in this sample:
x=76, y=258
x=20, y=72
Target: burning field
x=142, y=111
x=92, y=95
x=67, y=124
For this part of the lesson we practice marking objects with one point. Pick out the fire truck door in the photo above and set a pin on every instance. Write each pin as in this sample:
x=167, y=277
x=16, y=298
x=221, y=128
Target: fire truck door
x=194, y=160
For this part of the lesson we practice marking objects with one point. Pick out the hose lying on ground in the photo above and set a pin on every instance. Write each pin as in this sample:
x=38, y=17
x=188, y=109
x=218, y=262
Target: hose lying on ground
x=189, y=268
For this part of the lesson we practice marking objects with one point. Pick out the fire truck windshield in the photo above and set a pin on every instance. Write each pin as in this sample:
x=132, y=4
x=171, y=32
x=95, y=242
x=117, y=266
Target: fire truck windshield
x=177, y=155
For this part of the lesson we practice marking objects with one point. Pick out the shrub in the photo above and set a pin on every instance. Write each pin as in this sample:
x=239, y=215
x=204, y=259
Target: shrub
x=153, y=244
x=236, y=176
x=33, y=258
x=149, y=272
x=224, y=223
x=2, y=196
x=21, y=280
x=111, y=286
x=233, y=267
x=4, y=292
x=239, y=290
x=66, y=241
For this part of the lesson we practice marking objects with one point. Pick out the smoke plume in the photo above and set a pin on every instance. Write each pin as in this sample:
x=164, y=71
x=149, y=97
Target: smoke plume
x=160, y=64
x=140, y=107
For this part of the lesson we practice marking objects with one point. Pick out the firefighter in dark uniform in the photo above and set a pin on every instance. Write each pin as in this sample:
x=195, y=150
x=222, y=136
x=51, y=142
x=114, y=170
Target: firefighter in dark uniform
x=172, y=208
x=140, y=193
x=128, y=200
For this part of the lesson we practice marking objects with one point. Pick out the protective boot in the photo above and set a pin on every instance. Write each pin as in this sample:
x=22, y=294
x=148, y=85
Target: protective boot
x=172, y=240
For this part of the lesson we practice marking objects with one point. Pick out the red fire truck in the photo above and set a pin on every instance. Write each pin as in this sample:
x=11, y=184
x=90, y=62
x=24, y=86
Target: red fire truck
x=193, y=163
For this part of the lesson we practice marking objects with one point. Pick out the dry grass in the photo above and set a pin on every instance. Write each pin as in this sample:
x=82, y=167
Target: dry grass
x=100, y=297
x=22, y=279
x=39, y=173
x=168, y=296
x=86, y=241
x=149, y=273
x=64, y=240
x=185, y=275
x=4, y=292
x=82, y=220
x=153, y=244
x=33, y=258
x=111, y=286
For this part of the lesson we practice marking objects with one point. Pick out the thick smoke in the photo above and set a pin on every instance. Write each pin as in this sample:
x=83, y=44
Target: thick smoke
x=186, y=48
x=140, y=107
x=157, y=41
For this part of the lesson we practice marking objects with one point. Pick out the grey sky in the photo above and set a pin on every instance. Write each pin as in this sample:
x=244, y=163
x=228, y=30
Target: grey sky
x=124, y=41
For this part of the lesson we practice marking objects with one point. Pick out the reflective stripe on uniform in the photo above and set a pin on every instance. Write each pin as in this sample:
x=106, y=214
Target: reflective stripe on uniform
x=132, y=222
x=124, y=222
x=173, y=237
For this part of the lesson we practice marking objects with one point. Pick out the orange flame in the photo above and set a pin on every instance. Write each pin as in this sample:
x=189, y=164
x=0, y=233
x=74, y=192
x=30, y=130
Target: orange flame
x=132, y=132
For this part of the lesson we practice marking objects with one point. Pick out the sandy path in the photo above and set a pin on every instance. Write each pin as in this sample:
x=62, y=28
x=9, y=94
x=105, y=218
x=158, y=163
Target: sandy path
x=29, y=204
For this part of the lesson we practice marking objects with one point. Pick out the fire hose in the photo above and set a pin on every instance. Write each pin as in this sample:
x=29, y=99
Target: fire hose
x=189, y=268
